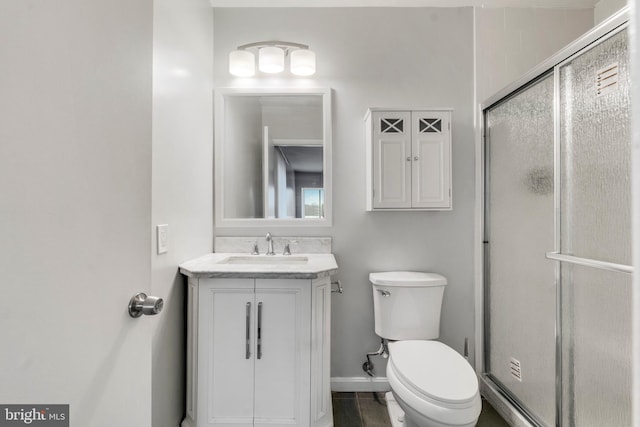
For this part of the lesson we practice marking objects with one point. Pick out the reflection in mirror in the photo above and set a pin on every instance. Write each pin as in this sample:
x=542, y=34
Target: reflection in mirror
x=297, y=174
x=272, y=155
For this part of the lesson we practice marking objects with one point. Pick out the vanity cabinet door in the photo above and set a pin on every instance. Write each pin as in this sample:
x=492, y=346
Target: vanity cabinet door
x=254, y=351
x=226, y=353
x=282, y=352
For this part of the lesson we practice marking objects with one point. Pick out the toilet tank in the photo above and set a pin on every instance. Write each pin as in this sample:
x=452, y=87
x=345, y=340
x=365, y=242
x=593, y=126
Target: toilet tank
x=407, y=304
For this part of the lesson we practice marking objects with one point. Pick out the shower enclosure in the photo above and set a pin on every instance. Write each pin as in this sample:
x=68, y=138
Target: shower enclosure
x=557, y=238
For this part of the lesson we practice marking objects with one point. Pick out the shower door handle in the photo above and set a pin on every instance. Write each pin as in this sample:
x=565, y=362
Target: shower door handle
x=601, y=265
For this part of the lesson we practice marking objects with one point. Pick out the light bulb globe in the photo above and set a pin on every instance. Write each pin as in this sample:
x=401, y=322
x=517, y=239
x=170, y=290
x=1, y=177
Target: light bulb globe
x=271, y=59
x=242, y=63
x=303, y=62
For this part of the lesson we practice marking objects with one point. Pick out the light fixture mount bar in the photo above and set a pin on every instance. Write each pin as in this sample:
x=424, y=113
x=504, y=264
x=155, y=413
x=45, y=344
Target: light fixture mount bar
x=283, y=45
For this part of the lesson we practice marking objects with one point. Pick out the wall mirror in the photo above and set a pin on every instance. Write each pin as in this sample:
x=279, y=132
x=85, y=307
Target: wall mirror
x=272, y=157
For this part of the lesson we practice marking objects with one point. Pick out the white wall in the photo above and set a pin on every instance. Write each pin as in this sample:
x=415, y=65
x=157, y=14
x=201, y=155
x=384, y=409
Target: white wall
x=416, y=57
x=511, y=41
x=182, y=178
x=396, y=57
x=606, y=8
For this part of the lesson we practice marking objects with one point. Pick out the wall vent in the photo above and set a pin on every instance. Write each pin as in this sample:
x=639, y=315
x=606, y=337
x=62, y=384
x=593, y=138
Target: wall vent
x=607, y=79
x=516, y=371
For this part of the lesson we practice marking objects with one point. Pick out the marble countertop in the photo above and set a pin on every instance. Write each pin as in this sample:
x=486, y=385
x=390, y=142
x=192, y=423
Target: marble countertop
x=243, y=265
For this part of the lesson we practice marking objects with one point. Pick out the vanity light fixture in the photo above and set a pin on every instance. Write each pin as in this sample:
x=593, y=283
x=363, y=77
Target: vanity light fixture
x=271, y=58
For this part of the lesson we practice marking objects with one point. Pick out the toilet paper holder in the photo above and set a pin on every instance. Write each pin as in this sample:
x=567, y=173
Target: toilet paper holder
x=339, y=289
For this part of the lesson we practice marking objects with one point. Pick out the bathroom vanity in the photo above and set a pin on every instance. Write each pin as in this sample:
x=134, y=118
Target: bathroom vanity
x=258, y=340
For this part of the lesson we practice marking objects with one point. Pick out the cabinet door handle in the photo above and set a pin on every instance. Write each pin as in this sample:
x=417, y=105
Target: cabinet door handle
x=259, y=330
x=248, y=332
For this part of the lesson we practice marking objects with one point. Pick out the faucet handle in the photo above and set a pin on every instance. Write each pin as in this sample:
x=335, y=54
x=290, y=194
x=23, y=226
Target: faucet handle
x=269, y=239
x=255, y=249
x=287, y=250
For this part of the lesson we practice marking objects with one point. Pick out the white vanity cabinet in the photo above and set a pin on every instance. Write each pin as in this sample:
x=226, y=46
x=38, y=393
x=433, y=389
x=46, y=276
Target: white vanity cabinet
x=258, y=352
x=408, y=159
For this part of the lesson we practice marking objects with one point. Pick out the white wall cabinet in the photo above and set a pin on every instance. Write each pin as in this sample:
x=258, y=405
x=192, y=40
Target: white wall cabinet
x=408, y=159
x=258, y=352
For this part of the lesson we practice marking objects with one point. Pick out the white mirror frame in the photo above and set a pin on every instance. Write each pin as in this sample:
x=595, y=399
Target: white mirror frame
x=222, y=222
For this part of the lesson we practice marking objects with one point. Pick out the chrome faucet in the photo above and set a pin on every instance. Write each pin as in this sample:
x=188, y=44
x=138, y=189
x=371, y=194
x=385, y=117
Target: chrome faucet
x=270, y=250
x=255, y=249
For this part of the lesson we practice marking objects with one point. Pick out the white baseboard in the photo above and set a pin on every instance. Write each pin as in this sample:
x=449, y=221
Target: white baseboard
x=363, y=384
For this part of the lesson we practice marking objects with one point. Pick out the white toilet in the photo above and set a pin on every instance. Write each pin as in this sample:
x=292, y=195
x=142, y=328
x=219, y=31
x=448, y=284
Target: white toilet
x=432, y=384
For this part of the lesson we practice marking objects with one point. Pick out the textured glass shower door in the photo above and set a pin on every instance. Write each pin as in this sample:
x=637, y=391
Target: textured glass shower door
x=595, y=234
x=520, y=308
x=557, y=186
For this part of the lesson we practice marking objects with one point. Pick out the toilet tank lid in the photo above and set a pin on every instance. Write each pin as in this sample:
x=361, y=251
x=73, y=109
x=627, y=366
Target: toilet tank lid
x=407, y=278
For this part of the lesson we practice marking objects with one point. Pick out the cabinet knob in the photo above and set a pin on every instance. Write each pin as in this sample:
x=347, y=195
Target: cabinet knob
x=408, y=158
x=415, y=158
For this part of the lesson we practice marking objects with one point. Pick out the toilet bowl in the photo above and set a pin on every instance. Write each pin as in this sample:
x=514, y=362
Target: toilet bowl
x=432, y=384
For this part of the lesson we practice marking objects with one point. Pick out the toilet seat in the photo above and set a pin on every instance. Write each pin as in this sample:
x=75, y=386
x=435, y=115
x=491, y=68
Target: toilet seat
x=434, y=382
x=434, y=371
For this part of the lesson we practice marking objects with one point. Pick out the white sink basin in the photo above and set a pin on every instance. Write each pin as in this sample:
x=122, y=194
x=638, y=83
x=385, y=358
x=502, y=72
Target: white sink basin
x=243, y=265
x=265, y=260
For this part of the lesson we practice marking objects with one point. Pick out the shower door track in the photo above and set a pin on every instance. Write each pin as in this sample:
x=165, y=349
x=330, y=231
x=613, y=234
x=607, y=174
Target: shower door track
x=514, y=401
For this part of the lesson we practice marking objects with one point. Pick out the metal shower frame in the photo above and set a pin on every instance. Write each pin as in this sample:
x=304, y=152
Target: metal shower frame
x=598, y=34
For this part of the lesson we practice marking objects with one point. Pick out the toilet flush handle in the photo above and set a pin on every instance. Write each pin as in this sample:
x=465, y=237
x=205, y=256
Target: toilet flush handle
x=384, y=293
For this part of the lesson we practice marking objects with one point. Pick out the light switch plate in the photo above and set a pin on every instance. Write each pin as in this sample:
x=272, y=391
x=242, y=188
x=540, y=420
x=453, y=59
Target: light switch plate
x=163, y=238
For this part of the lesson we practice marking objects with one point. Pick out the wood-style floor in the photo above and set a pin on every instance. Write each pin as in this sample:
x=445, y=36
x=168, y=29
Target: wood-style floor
x=370, y=410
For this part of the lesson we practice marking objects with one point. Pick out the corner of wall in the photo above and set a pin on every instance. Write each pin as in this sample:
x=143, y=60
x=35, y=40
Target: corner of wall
x=182, y=182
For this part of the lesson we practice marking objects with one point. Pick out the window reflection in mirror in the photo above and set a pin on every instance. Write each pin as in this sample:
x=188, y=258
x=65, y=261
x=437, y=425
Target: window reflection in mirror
x=313, y=205
x=273, y=156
